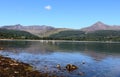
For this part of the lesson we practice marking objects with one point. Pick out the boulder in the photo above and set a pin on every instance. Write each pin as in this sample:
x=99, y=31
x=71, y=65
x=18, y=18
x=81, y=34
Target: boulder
x=71, y=67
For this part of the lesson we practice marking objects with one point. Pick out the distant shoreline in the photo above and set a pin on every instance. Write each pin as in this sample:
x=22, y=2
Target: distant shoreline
x=60, y=41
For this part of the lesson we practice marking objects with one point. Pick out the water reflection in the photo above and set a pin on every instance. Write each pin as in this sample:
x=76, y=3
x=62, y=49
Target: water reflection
x=97, y=51
x=36, y=46
x=14, y=44
x=101, y=59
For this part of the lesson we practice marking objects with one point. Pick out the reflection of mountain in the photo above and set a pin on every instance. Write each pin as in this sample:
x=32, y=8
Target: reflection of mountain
x=96, y=50
x=42, y=47
x=96, y=55
x=14, y=44
x=97, y=47
x=82, y=47
x=27, y=46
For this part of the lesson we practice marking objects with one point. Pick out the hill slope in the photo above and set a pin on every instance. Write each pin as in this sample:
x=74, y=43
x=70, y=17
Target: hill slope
x=101, y=35
x=68, y=35
x=16, y=34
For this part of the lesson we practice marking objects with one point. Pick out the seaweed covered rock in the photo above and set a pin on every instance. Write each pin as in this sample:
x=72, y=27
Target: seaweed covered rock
x=13, y=68
x=71, y=67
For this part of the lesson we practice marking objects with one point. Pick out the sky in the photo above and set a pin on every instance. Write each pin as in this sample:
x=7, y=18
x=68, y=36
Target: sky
x=59, y=13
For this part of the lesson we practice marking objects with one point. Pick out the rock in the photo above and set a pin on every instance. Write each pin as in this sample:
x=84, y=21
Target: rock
x=81, y=73
x=1, y=48
x=71, y=67
x=16, y=72
x=58, y=66
x=83, y=62
x=14, y=64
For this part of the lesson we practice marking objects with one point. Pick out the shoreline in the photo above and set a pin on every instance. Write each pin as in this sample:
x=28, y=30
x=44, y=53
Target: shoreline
x=13, y=68
x=60, y=41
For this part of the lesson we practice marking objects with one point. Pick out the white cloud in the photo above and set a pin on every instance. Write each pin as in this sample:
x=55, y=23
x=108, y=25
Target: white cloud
x=48, y=7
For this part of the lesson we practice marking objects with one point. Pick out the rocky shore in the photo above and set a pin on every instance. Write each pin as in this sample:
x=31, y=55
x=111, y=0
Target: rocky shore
x=13, y=68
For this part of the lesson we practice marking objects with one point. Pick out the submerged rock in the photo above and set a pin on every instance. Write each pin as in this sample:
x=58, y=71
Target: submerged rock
x=81, y=73
x=58, y=66
x=83, y=62
x=71, y=67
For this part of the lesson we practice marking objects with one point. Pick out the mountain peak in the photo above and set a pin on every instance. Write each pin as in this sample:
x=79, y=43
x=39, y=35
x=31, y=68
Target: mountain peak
x=97, y=26
x=18, y=25
x=99, y=22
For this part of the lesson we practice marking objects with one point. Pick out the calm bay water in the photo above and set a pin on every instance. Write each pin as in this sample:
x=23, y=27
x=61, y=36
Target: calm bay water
x=101, y=59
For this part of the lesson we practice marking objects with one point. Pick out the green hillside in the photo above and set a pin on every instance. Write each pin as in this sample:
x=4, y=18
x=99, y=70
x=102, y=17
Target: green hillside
x=67, y=35
x=50, y=32
x=102, y=35
x=16, y=34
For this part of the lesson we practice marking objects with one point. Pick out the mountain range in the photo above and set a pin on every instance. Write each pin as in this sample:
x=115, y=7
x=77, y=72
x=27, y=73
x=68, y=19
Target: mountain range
x=39, y=30
x=45, y=31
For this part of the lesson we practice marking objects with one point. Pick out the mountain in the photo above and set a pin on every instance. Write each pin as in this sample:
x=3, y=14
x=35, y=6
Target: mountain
x=39, y=30
x=46, y=31
x=31, y=27
x=100, y=26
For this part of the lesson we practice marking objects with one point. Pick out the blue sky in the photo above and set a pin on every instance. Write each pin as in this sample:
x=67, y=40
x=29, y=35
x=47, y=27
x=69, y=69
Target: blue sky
x=59, y=13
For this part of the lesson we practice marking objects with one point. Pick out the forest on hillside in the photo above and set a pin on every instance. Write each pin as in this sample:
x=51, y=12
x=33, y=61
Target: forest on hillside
x=102, y=35
x=16, y=34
